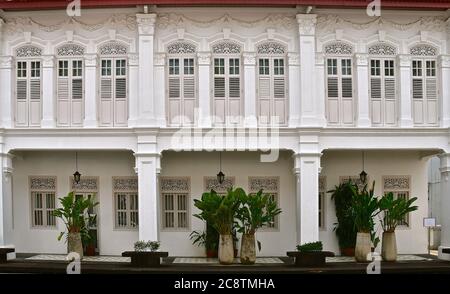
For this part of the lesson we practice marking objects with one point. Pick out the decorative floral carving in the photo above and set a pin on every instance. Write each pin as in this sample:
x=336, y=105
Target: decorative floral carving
x=423, y=50
x=86, y=184
x=113, y=48
x=204, y=58
x=354, y=179
x=174, y=184
x=181, y=48
x=332, y=22
x=281, y=20
x=382, y=49
x=307, y=24
x=28, y=51
x=43, y=183
x=271, y=48
x=339, y=48
x=226, y=48
x=20, y=24
x=70, y=50
x=211, y=183
x=125, y=184
x=396, y=183
x=267, y=184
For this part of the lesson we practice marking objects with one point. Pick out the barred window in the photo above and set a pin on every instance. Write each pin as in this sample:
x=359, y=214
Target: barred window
x=270, y=186
x=126, y=202
x=43, y=201
x=400, y=186
x=175, y=195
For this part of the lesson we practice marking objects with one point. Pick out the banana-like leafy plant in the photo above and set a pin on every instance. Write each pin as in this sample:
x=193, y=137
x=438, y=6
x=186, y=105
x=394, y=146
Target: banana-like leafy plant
x=364, y=208
x=74, y=215
x=395, y=210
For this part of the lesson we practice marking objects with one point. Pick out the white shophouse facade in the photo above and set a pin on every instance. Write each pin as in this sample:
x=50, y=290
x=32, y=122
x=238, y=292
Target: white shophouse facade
x=115, y=85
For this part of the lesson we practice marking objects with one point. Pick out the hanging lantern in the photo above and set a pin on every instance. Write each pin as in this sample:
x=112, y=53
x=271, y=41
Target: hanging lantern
x=221, y=177
x=76, y=175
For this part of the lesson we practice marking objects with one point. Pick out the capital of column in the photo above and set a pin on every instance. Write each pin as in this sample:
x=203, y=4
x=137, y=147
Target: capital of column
x=48, y=61
x=159, y=59
x=6, y=62
x=445, y=163
x=90, y=60
x=148, y=157
x=204, y=58
x=362, y=59
x=404, y=60
x=146, y=23
x=307, y=24
x=444, y=61
x=320, y=59
x=293, y=59
x=133, y=59
x=305, y=157
x=249, y=58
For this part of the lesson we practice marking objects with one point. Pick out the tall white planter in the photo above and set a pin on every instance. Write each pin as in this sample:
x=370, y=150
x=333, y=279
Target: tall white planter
x=389, y=246
x=363, y=247
x=226, y=249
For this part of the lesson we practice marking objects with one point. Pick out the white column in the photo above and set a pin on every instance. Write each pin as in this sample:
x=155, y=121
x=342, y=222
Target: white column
x=307, y=45
x=444, y=65
x=90, y=94
x=406, y=119
x=307, y=167
x=133, y=89
x=6, y=92
x=362, y=82
x=204, y=97
x=146, y=29
x=6, y=217
x=160, y=89
x=320, y=88
x=250, y=113
x=445, y=206
x=147, y=166
x=294, y=89
x=48, y=92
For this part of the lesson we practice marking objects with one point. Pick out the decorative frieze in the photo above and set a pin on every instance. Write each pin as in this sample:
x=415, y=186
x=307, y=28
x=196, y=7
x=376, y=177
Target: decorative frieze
x=226, y=47
x=211, y=183
x=28, y=51
x=113, y=48
x=90, y=60
x=271, y=48
x=267, y=184
x=174, y=184
x=181, y=48
x=392, y=183
x=249, y=58
x=86, y=184
x=70, y=50
x=48, y=61
x=204, y=58
x=382, y=49
x=338, y=48
x=423, y=50
x=362, y=59
x=43, y=183
x=404, y=60
x=122, y=184
x=146, y=23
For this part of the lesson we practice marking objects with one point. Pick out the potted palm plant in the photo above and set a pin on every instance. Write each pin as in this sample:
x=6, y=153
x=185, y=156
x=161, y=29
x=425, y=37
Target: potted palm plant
x=394, y=211
x=345, y=226
x=76, y=219
x=364, y=209
x=255, y=211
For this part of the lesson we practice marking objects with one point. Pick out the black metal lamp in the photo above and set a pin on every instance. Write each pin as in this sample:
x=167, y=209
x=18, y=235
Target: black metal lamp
x=363, y=174
x=220, y=175
x=76, y=175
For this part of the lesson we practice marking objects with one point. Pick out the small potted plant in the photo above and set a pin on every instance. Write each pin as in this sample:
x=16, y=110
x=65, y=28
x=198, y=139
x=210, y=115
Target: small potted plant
x=146, y=254
x=310, y=255
x=394, y=212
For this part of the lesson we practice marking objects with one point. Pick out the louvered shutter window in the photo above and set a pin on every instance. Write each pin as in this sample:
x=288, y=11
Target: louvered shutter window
x=425, y=92
x=28, y=93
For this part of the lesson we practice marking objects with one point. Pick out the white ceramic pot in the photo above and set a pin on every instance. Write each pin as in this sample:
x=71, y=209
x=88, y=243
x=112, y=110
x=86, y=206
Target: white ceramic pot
x=363, y=247
x=226, y=249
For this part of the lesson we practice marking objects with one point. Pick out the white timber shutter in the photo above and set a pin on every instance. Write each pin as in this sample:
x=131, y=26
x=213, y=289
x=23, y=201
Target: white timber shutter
x=383, y=92
x=120, y=93
x=333, y=102
x=35, y=94
x=234, y=86
x=106, y=93
x=264, y=90
x=77, y=101
x=279, y=91
x=219, y=107
x=431, y=92
x=390, y=94
x=63, y=93
x=188, y=104
x=22, y=94
x=347, y=92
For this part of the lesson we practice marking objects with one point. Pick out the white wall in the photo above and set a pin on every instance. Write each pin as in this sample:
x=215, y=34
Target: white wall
x=377, y=165
x=103, y=164
x=241, y=165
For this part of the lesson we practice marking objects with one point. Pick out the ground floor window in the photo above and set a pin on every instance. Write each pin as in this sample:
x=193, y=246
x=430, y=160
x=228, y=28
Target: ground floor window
x=269, y=185
x=175, y=196
x=126, y=202
x=43, y=201
x=399, y=186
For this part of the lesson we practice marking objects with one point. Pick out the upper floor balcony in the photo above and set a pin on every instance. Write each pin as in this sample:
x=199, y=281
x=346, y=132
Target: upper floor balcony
x=284, y=69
